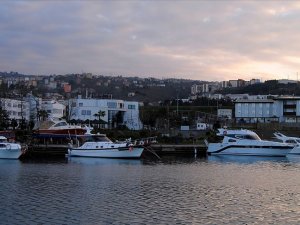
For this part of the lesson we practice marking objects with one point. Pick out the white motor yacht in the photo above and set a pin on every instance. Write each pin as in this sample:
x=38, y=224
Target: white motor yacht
x=246, y=142
x=102, y=147
x=9, y=150
x=295, y=141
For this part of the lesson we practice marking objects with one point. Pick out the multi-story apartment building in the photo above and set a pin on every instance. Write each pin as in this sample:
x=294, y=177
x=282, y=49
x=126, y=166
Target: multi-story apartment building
x=196, y=89
x=16, y=109
x=114, y=111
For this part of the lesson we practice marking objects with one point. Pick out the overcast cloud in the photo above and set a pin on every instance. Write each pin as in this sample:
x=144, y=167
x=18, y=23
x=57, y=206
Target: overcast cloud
x=202, y=40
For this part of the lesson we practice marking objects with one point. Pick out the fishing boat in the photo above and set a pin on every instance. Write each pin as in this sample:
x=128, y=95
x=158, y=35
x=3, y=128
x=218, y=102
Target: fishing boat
x=100, y=146
x=295, y=141
x=246, y=142
x=9, y=150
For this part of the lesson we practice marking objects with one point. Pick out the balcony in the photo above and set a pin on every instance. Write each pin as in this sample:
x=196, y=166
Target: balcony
x=289, y=113
x=290, y=106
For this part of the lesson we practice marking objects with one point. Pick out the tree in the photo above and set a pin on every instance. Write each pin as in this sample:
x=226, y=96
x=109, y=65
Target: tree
x=4, y=118
x=42, y=114
x=14, y=123
x=99, y=115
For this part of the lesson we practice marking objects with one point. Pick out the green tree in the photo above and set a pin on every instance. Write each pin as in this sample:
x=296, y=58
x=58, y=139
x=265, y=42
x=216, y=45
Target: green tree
x=4, y=118
x=42, y=115
x=99, y=115
x=14, y=123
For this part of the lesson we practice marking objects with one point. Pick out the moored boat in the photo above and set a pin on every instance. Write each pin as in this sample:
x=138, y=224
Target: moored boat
x=9, y=150
x=58, y=127
x=295, y=141
x=246, y=142
x=100, y=146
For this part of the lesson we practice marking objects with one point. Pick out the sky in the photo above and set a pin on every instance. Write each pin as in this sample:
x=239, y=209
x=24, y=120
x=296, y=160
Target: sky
x=200, y=40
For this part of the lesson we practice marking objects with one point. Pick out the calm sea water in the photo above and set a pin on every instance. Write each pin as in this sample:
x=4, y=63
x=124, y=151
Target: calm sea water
x=214, y=190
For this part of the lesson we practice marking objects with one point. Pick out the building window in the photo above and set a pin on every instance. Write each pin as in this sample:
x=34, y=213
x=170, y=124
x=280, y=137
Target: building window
x=88, y=112
x=131, y=106
x=83, y=112
x=112, y=105
x=80, y=104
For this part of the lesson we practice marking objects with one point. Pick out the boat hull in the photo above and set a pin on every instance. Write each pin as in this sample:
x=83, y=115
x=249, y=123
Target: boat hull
x=10, y=153
x=106, y=153
x=216, y=149
x=67, y=131
x=295, y=151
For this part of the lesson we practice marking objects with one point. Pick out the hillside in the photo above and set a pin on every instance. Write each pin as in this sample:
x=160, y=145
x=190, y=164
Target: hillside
x=272, y=87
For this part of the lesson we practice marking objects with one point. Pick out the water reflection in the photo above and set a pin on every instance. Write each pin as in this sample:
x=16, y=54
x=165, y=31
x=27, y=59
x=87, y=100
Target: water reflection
x=173, y=190
x=293, y=158
x=103, y=161
x=245, y=159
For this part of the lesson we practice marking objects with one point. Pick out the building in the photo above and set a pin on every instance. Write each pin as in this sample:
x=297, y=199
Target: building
x=288, y=109
x=196, y=89
x=116, y=112
x=279, y=109
x=225, y=114
x=253, y=111
x=54, y=108
x=16, y=109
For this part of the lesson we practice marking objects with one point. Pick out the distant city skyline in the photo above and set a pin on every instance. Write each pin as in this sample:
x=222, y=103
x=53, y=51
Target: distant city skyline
x=199, y=40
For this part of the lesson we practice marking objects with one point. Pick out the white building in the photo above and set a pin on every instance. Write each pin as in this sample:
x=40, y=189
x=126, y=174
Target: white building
x=53, y=108
x=16, y=109
x=116, y=111
x=225, y=114
x=196, y=89
x=281, y=109
x=34, y=104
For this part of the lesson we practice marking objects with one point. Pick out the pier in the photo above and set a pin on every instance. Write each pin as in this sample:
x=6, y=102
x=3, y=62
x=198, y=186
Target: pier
x=44, y=151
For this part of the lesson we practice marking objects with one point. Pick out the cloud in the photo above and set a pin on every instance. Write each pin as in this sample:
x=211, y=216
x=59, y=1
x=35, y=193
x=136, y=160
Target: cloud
x=207, y=40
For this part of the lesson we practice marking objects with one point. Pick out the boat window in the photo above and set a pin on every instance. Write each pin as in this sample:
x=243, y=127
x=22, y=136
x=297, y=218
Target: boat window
x=60, y=124
x=2, y=146
x=231, y=140
x=252, y=137
x=97, y=139
x=291, y=141
x=230, y=135
x=239, y=136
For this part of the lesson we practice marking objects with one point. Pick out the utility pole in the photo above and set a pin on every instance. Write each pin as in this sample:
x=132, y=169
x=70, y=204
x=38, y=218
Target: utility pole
x=177, y=105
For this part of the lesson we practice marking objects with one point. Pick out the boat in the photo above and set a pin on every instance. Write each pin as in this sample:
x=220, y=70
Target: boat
x=295, y=141
x=100, y=146
x=56, y=126
x=246, y=142
x=9, y=150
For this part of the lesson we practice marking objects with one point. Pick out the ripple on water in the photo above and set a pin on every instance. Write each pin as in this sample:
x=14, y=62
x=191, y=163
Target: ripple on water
x=172, y=191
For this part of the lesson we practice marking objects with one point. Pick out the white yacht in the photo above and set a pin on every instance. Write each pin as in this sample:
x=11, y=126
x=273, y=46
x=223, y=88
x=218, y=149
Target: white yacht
x=9, y=150
x=295, y=141
x=246, y=142
x=102, y=147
